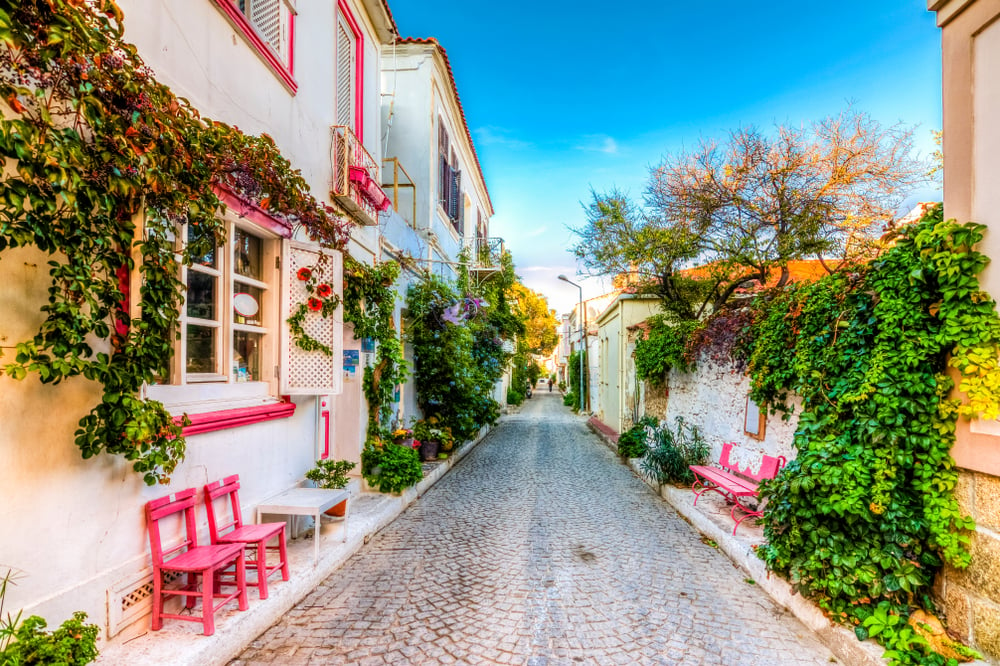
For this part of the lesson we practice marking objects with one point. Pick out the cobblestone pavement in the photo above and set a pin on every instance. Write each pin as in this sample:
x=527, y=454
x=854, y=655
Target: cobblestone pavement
x=539, y=548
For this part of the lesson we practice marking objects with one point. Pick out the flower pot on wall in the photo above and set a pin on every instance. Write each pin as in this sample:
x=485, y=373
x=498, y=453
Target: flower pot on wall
x=429, y=450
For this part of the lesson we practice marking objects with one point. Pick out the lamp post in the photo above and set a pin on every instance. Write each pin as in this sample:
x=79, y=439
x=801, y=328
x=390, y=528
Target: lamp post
x=583, y=335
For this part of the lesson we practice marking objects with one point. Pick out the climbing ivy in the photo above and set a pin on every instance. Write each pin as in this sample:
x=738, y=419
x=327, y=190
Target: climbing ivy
x=457, y=330
x=864, y=516
x=369, y=302
x=662, y=348
x=103, y=164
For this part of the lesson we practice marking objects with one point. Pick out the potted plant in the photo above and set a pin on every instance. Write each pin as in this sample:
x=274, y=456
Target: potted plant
x=331, y=473
x=403, y=436
x=429, y=438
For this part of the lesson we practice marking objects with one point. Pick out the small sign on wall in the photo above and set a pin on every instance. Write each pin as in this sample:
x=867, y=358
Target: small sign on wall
x=754, y=420
x=352, y=360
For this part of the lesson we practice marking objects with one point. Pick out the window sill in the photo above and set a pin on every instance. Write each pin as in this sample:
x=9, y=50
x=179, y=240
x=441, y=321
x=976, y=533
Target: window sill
x=266, y=53
x=448, y=223
x=234, y=418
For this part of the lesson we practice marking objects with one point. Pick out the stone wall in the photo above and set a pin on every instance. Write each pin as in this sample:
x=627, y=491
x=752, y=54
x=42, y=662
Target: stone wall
x=714, y=398
x=654, y=400
x=971, y=598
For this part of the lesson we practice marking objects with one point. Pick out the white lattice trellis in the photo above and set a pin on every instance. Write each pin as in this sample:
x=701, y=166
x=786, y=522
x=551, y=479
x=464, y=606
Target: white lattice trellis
x=313, y=372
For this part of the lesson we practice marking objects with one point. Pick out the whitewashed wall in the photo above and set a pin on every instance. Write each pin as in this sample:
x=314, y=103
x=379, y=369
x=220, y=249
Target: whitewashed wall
x=714, y=398
x=76, y=527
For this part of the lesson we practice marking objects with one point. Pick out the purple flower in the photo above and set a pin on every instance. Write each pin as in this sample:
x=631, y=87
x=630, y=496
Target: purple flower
x=453, y=314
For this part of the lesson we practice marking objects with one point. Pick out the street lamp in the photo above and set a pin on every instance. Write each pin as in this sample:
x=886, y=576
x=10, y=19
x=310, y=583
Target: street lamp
x=583, y=336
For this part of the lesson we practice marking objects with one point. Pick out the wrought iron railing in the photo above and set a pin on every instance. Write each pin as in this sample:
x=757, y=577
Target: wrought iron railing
x=484, y=253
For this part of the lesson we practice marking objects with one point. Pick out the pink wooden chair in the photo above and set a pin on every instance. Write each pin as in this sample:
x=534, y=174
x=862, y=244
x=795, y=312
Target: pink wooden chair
x=190, y=560
x=254, y=536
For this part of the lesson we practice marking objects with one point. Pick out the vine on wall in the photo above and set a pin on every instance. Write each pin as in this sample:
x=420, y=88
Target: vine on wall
x=864, y=517
x=457, y=331
x=369, y=302
x=93, y=144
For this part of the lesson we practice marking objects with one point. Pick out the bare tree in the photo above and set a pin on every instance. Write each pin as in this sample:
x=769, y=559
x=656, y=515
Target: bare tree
x=746, y=207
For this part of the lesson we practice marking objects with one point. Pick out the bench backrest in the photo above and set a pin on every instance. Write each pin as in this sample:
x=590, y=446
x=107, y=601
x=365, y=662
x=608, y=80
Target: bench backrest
x=751, y=464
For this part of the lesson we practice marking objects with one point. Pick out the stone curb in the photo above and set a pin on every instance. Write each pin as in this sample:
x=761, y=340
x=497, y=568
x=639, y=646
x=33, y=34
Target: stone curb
x=182, y=644
x=839, y=639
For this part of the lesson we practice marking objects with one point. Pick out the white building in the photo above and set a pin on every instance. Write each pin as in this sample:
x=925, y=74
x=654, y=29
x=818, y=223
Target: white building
x=309, y=75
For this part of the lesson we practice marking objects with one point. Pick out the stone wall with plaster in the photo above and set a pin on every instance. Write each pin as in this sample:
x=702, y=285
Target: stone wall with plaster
x=714, y=398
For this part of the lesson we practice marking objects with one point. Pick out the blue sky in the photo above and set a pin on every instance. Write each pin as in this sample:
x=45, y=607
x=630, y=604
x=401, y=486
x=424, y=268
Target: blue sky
x=564, y=97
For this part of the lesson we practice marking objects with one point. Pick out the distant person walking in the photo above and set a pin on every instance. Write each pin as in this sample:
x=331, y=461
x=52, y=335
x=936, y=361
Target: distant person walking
x=550, y=385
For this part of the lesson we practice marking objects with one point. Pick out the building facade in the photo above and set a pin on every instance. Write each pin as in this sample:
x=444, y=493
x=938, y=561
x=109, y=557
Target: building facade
x=310, y=76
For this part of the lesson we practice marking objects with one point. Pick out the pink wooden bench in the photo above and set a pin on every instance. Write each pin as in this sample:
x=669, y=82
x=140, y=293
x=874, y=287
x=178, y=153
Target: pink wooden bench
x=736, y=479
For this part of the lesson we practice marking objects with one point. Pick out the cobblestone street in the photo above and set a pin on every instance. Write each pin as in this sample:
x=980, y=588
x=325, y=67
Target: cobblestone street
x=538, y=548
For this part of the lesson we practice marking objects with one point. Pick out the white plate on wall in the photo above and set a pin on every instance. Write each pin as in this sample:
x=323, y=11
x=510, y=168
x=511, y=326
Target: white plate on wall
x=245, y=304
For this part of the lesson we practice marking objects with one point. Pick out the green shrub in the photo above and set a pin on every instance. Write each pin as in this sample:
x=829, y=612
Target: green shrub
x=72, y=644
x=570, y=400
x=633, y=443
x=391, y=467
x=673, y=451
x=514, y=397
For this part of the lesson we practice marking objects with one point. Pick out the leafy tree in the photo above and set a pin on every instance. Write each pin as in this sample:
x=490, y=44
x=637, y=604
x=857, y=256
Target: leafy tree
x=746, y=207
x=539, y=320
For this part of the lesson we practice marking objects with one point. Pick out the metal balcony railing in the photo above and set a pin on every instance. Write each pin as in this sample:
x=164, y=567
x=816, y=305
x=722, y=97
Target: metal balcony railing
x=484, y=253
x=356, y=185
x=398, y=183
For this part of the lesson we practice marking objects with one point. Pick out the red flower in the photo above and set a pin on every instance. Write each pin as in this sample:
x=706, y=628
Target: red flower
x=315, y=304
x=304, y=274
x=416, y=444
x=324, y=290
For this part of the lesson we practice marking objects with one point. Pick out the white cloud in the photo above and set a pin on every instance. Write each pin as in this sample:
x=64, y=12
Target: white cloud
x=500, y=136
x=598, y=143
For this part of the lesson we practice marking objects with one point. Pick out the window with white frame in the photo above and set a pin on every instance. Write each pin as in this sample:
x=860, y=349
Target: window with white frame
x=228, y=323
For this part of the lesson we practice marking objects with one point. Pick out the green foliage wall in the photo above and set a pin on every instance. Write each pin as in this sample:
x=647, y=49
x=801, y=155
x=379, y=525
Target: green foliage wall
x=573, y=388
x=457, y=334
x=865, y=514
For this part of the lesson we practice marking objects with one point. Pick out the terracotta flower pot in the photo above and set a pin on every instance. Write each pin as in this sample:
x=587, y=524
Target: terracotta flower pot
x=337, y=510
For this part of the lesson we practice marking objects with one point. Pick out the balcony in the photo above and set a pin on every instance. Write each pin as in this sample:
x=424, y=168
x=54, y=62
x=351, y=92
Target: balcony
x=484, y=255
x=403, y=190
x=355, y=185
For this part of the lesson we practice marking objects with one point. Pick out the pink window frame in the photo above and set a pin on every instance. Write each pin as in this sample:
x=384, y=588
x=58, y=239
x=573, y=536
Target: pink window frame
x=359, y=69
x=285, y=72
x=234, y=418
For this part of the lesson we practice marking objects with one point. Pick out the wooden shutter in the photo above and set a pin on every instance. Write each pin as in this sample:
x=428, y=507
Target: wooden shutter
x=312, y=372
x=455, y=194
x=266, y=17
x=345, y=77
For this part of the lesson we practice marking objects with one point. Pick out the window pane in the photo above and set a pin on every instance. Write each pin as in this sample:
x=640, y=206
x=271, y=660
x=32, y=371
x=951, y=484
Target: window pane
x=202, y=289
x=201, y=349
x=246, y=305
x=246, y=356
x=247, y=255
x=202, y=246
